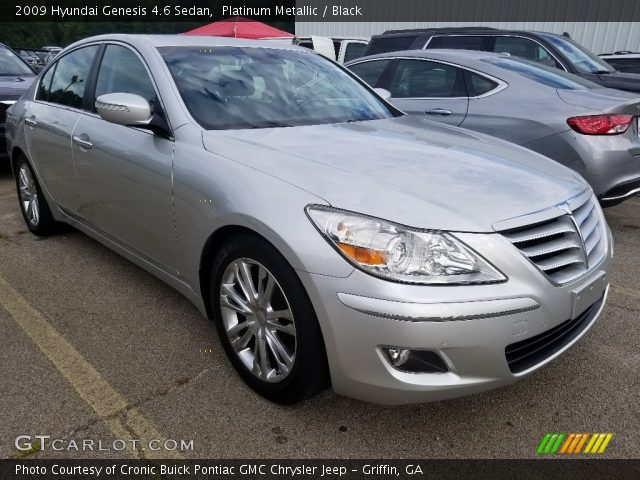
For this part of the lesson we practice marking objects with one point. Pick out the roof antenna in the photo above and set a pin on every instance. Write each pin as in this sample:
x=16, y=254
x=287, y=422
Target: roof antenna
x=566, y=34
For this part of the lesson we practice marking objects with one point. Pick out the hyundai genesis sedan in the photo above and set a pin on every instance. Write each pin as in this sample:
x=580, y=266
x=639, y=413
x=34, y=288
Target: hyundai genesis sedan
x=332, y=239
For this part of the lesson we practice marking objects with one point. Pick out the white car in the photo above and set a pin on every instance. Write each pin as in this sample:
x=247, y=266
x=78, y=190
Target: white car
x=339, y=49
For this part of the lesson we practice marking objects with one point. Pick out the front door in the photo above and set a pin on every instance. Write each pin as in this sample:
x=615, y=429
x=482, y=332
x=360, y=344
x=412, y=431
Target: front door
x=124, y=173
x=429, y=89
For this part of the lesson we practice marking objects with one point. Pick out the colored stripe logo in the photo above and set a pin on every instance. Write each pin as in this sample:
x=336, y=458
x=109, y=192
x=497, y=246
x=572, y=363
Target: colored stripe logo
x=573, y=443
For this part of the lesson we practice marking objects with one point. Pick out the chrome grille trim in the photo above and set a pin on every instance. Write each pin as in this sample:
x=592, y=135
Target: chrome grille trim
x=563, y=242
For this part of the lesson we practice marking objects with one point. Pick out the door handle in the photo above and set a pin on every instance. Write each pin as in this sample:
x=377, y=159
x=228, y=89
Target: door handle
x=438, y=111
x=82, y=142
x=31, y=121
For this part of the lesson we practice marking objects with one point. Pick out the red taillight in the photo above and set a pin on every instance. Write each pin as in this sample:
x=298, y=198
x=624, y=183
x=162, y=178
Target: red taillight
x=600, y=124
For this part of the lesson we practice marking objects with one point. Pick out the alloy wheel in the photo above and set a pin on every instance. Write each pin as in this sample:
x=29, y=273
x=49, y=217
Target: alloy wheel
x=28, y=195
x=258, y=320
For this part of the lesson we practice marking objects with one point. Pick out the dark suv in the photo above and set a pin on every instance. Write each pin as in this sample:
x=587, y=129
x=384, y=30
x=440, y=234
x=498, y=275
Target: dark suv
x=547, y=48
x=15, y=78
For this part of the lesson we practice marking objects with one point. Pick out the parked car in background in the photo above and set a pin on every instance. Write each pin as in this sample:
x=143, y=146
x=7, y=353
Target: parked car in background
x=16, y=77
x=628, y=62
x=340, y=49
x=549, y=49
x=52, y=52
x=576, y=122
x=31, y=58
x=329, y=236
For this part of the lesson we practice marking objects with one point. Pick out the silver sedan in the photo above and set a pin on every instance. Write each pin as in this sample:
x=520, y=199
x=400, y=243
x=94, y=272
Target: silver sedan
x=586, y=127
x=333, y=240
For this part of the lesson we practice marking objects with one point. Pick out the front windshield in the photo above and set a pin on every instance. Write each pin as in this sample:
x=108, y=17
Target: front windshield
x=249, y=87
x=549, y=76
x=582, y=59
x=12, y=66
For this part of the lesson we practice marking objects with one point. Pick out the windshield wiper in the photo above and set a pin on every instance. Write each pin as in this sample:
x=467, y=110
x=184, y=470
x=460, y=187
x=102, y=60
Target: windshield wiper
x=602, y=72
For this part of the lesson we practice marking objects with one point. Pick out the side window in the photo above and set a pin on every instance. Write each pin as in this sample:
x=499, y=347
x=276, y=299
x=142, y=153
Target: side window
x=370, y=72
x=524, y=48
x=44, y=87
x=478, y=85
x=354, y=50
x=122, y=71
x=390, y=44
x=71, y=77
x=425, y=79
x=460, y=42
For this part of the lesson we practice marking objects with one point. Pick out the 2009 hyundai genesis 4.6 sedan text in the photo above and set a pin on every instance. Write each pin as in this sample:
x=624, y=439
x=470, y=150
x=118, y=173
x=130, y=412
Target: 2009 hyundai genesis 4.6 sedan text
x=333, y=240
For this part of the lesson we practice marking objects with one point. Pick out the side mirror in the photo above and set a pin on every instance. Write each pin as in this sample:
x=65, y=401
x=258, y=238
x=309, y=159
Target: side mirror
x=124, y=109
x=383, y=92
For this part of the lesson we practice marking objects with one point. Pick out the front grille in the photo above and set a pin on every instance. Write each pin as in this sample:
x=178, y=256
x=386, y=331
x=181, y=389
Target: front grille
x=565, y=246
x=530, y=352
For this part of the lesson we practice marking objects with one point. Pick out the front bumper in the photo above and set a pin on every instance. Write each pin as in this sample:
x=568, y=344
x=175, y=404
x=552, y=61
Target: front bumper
x=469, y=327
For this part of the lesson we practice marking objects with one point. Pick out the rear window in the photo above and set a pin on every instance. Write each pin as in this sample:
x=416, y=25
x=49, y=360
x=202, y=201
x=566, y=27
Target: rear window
x=353, y=50
x=549, y=76
x=459, y=42
x=478, y=85
x=390, y=44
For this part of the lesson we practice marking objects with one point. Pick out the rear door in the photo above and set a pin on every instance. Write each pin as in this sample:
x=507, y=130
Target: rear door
x=124, y=173
x=429, y=89
x=51, y=118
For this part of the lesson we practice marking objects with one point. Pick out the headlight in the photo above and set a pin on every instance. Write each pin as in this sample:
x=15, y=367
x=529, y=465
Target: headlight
x=399, y=253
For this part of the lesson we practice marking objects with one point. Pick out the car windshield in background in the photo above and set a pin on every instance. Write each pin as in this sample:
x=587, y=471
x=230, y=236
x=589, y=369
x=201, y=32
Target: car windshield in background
x=12, y=66
x=249, y=87
x=550, y=76
x=583, y=60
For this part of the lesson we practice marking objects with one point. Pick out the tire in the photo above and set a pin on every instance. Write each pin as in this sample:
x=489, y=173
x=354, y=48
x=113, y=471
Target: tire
x=33, y=205
x=279, y=350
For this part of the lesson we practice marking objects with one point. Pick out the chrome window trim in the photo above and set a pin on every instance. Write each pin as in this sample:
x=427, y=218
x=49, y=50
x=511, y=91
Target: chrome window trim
x=89, y=113
x=500, y=87
x=55, y=63
x=498, y=35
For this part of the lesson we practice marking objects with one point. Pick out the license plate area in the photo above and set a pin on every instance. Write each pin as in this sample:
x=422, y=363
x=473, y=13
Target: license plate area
x=588, y=294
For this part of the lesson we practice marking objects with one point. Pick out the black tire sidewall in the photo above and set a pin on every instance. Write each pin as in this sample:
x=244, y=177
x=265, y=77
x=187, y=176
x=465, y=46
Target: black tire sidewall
x=46, y=223
x=310, y=373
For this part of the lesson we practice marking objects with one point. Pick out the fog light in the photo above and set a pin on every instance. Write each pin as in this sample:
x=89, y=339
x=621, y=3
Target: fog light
x=398, y=356
x=415, y=361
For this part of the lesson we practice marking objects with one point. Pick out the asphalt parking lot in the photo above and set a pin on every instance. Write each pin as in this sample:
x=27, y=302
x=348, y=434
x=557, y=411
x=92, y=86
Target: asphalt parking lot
x=95, y=348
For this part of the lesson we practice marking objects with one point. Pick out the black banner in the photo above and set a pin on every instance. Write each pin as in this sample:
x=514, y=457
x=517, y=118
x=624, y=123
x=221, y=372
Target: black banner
x=538, y=469
x=320, y=10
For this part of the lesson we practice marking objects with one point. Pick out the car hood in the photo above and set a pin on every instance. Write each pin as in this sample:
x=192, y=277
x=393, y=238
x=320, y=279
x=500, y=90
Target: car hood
x=406, y=170
x=12, y=88
x=602, y=99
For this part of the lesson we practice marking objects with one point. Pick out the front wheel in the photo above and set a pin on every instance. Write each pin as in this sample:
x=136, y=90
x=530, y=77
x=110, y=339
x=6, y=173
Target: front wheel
x=33, y=205
x=266, y=322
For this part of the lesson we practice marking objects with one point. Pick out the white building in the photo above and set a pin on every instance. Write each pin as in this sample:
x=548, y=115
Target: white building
x=599, y=37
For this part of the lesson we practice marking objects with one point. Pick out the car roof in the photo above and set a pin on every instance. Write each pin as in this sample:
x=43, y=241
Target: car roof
x=620, y=55
x=184, y=41
x=436, y=53
x=461, y=30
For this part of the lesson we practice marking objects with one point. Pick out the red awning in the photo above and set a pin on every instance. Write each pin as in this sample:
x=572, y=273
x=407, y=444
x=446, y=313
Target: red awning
x=239, y=27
